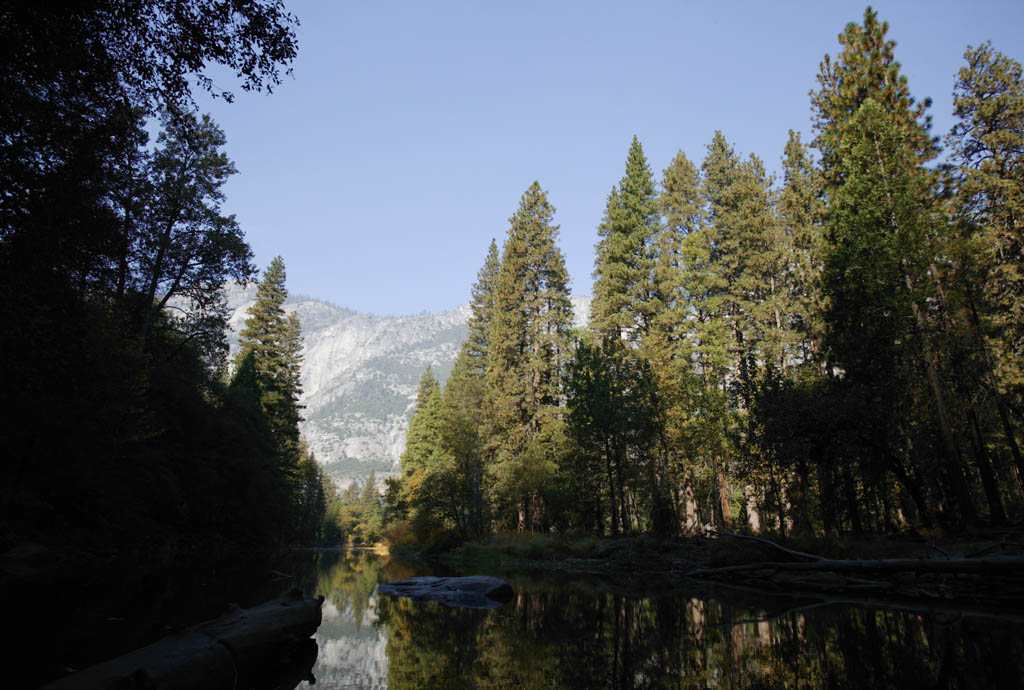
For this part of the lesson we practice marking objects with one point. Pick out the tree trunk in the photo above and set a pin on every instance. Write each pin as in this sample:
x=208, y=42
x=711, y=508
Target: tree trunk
x=721, y=503
x=850, y=493
x=988, y=475
x=1004, y=418
x=611, y=490
x=956, y=476
x=753, y=516
x=690, y=510
x=802, y=523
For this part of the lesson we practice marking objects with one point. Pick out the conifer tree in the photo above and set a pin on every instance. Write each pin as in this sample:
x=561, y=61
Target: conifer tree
x=887, y=222
x=866, y=68
x=799, y=213
x=528, y=345
x=719, y=331
x=371, y=522
x=672, y=346
x=462, y=440
x=987, y=147
x=274, y=339
x=421, y=444
x=684, y=214
x=625, y=302
x=422, y=435
x=476, y=345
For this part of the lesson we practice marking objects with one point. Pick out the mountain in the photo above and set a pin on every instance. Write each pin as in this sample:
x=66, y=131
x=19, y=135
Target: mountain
x=359, y=376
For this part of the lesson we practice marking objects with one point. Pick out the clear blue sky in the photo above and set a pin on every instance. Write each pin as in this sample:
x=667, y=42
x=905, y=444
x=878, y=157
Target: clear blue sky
x=402, y=145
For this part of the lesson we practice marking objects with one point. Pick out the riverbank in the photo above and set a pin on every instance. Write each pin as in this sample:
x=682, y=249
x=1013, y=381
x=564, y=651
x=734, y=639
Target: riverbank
x=982, y=571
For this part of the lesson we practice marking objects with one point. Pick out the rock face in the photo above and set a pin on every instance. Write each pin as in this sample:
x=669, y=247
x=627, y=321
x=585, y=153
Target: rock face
x=476, y=592
x=360, y=373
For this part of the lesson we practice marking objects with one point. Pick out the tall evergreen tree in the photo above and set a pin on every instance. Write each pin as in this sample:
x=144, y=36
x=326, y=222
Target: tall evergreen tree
x=874, y=142
x=799, y=212
x=528, y=345
x=477, y=343
x=672, y=346
x=274, y=339
x=462, y=440
x=421, y=442
x=625, y=301
x=866, y=68
x=987, y=148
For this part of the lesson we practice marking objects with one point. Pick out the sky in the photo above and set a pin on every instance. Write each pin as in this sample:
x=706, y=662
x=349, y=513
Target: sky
x=408, y=131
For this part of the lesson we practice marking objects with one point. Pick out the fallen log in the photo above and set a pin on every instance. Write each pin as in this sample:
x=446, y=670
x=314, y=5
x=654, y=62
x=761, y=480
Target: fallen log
x=996, y=564
x=231, y=651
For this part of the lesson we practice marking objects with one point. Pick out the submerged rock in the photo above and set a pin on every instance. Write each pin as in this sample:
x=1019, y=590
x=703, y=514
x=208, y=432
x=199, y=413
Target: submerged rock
x=476, y=592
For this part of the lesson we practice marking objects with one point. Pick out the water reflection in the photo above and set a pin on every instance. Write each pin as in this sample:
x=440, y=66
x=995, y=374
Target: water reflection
x=577, y=635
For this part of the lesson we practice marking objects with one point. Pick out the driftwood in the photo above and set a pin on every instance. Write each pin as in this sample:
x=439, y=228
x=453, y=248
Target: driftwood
x=245, y=647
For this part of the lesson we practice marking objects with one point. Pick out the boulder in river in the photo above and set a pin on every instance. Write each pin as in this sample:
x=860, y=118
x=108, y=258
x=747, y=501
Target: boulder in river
x=475, y=592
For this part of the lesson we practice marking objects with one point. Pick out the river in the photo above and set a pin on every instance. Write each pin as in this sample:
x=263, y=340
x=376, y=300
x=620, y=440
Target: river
x=559, y=631
x=564, y=632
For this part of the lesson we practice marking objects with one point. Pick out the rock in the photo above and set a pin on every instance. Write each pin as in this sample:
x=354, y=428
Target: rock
x=476, y=592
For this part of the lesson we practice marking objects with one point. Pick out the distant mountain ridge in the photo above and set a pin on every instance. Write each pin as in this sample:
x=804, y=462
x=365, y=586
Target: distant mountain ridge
x=360, y=373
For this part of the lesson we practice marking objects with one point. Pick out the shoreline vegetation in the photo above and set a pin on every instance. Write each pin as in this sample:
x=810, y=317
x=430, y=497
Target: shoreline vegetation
x=970, y=574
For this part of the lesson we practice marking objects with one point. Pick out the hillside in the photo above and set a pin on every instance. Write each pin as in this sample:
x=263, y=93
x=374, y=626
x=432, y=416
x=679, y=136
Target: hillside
x=359, y=376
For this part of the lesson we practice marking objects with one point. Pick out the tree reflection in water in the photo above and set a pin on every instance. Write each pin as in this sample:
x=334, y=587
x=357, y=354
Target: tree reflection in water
x=578, y=636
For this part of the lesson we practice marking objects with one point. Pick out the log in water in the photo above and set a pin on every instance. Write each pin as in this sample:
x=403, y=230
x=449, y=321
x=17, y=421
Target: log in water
x=242, y=644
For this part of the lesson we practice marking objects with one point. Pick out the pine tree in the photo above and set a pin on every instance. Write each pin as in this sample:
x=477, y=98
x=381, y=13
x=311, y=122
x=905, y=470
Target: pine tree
x=719, y=327
x=477, y=344
x=371, y=514
x=274, y=339
x=887, y=314
x=672, y=346
x=423, y=433
x=799, y=212
x=987, y=147
x=421, y=443
x=528, y=345
x=683, y=210
x=462, y=442
x=625, y=302
x=866, y=68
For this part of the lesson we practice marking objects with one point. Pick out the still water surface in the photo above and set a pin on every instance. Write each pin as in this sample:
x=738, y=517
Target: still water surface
x=582, y=633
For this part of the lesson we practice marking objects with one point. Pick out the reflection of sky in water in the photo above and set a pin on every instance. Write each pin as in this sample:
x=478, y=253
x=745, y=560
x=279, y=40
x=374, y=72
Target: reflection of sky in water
x=352, y=653
x=579, y=634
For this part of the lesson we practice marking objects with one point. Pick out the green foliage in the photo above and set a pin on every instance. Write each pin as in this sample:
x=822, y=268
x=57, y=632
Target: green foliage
x=357, y=515
x=838, y=354
x=625, y=301
x=477, y=343
x=184, y=249
x=613, y=424
x=987, y=148
x=528, y=344
x=274, y=339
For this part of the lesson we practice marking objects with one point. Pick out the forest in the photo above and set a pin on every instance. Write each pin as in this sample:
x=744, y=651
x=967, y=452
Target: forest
x=834, y=352
x=128, y=436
